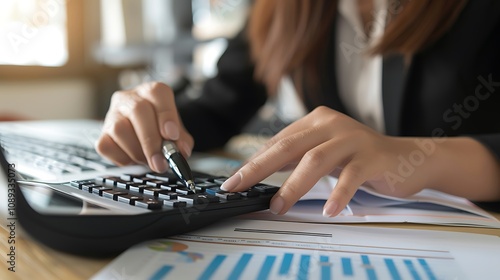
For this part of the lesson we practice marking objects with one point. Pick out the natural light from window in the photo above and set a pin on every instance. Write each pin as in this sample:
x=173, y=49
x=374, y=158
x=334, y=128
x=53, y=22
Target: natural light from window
x=33, y=32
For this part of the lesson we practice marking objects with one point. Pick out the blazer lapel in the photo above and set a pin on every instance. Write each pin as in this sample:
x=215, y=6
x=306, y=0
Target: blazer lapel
x=393, y=84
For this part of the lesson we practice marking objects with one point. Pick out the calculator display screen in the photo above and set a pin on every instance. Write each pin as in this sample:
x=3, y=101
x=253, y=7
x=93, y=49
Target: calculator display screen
x=46, y=200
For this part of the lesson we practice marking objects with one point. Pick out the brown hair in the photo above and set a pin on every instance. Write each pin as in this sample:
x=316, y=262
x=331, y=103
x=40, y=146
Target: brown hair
x=291, y=36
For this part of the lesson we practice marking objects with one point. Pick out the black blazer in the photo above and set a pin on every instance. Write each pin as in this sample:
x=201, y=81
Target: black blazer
x=449, y=89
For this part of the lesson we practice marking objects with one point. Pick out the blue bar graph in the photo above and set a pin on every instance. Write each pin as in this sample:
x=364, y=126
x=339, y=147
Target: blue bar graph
x=161, y=273
x=240, y=266
x=370, y=271
x=391, y=266
x=304, y=267
x=427, y=269
x=301, y=264
x=285, y=265
x=411, y=268
x=212, y=267
x=326, y=268
x=347, y=267
x=266, y=268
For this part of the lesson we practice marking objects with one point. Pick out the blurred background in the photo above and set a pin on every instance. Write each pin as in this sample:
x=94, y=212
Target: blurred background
x=62, y=59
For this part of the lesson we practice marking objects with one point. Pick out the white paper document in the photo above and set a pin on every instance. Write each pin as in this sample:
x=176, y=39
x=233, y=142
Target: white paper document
x=249, y=249
x=367, y=206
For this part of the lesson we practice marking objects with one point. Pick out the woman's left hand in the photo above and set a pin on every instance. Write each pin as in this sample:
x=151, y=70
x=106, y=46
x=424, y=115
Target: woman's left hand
x=326, y=142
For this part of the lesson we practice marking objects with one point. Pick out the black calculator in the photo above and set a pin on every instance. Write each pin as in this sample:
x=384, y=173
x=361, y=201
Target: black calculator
x=105, y=215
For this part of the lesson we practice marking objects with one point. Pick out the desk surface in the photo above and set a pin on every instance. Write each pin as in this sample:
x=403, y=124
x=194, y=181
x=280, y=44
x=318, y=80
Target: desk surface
x=36, y=261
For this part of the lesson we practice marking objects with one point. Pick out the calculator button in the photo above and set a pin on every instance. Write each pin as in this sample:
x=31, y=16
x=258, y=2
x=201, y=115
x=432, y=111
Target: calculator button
x=80, y=183
x=138, y=187
x=129, y=198
x=111, y=180
x=220, y=180
x=90, y=187
x=102, y=179
x=149, y=203
x=265, y=188
x=174, y=203
x=154, y=183
x=141, y=180
x=168, y=195
x=184, y=191
x=207, y=185
x=113, y=194
x=213, y=190
x=167, y=177
x=198, y=198
x=154, y=191
x=99, y=190
x=130, y=177
x=228, y=195
x=123, y=184
x=250, y=193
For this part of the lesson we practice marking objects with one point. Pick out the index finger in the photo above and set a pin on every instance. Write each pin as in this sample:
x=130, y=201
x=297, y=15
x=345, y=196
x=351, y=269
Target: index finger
x=162, y=98
x=157, y=120
x=283, y=150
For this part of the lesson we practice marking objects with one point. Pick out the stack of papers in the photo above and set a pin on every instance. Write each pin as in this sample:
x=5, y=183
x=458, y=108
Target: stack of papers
x=368, y=206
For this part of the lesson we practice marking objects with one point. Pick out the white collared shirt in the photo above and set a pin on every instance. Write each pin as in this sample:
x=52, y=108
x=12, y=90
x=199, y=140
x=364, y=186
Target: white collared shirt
x=359, y=76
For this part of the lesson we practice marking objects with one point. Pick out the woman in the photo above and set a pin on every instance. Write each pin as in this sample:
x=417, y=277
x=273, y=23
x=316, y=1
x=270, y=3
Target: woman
x=403, y=95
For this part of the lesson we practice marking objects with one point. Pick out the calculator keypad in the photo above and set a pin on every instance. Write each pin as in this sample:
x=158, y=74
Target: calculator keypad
x=163, y=191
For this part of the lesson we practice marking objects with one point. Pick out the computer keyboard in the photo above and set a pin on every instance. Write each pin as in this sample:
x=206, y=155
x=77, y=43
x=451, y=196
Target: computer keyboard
x=168, y=208
x=51, y=156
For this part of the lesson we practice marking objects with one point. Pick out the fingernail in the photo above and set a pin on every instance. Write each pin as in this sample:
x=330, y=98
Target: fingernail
x=159, y=163
x=172, y=130
x=231, y=183
x=184, y=148
x=329, y=208
x=277, y=205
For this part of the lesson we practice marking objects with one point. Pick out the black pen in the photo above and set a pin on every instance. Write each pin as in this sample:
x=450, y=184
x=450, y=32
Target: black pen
x=178, y=164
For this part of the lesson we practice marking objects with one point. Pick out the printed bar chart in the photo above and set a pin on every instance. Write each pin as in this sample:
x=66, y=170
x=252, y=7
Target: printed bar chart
x=289, y=263
x=250, y=249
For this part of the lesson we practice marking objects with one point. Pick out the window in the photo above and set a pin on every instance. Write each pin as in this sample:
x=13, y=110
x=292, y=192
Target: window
x=35, y=33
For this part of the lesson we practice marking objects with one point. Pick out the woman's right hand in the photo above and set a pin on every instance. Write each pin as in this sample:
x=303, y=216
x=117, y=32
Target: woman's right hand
x=137, y=122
